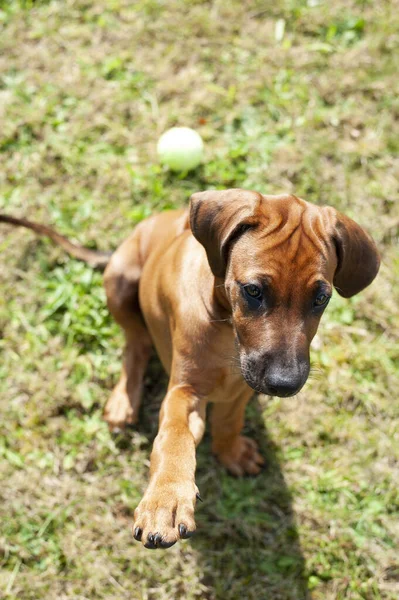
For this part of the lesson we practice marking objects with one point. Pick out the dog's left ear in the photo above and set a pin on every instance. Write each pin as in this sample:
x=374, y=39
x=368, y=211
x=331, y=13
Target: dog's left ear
x=357, y=254
x=217, y=218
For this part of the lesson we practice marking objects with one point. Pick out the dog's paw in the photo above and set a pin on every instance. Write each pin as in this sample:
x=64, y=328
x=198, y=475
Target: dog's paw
x=165, y=514
x=118, y=411
x=241, y=457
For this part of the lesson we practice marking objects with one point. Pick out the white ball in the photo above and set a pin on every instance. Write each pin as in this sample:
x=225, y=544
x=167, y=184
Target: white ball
x=180, y=148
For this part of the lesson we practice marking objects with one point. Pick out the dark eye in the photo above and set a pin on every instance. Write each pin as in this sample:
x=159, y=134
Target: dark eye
x=253, y=291
x=321, y=300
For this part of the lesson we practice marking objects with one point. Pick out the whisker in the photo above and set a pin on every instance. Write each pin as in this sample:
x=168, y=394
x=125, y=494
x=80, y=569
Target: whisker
x=316, y=372
x=315, y=376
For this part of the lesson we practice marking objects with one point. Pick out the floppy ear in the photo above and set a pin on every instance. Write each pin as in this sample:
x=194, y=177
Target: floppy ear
x=217, y=218
x=358, y=257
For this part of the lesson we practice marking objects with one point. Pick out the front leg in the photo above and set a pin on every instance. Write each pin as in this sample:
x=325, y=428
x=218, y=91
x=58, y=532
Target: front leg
x=238, y=453
x=166, y=512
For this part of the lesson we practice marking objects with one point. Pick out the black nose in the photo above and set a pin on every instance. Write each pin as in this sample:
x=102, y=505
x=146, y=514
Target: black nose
x=283, y=384
x=275, y=375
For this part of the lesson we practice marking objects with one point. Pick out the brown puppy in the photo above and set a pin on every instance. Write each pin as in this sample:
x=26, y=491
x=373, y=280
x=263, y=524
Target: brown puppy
x=251, y=278
x=238, y=275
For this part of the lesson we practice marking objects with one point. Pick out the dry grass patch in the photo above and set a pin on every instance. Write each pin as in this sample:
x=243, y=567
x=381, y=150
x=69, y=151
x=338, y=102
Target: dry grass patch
x=85, y=90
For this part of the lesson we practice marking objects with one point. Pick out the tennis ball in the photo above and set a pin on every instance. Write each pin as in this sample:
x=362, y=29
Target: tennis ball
x=180, y=148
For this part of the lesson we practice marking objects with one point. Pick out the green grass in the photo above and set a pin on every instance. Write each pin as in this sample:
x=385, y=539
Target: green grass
x=86, y=88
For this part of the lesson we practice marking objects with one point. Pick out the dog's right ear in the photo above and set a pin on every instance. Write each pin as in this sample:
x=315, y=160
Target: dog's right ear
x=217, y=218
x=358, y=259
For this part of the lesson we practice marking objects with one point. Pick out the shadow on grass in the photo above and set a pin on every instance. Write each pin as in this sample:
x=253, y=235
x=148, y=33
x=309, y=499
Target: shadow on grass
x=247, y=543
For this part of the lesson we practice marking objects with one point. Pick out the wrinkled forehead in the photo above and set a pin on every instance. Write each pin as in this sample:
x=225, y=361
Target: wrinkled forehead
x=290, y=244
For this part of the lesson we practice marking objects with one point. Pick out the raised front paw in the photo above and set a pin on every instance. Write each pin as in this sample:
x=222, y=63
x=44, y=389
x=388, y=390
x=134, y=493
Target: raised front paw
x=165, y=514
x=240, y=456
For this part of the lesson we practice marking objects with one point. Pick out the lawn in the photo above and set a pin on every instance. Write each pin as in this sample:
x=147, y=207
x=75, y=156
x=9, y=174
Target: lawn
x=290, y=95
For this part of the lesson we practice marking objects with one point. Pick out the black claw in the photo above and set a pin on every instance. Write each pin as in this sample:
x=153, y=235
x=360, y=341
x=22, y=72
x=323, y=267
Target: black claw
x=156, y=541
x=184, y=534
x=199, y=497
x=138, y=532
x=150, y=544
x=165, y=545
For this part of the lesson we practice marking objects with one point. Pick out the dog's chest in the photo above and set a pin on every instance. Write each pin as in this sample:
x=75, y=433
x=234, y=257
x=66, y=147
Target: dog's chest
x=233, y=386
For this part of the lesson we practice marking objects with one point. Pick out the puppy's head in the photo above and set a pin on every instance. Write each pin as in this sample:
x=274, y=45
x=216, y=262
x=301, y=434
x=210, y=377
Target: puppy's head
x=279, y=257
